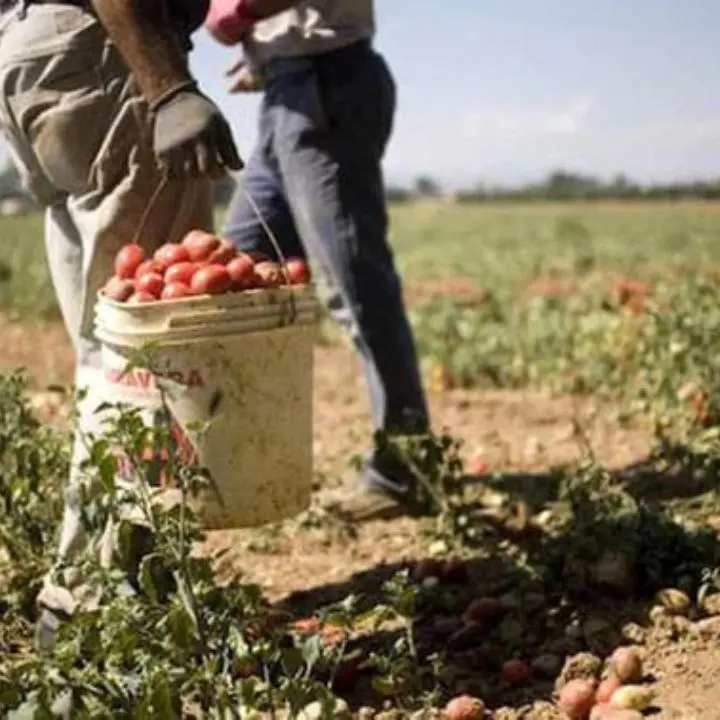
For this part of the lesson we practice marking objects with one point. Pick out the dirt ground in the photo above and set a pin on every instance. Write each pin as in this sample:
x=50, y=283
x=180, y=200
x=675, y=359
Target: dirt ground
x=518, y=434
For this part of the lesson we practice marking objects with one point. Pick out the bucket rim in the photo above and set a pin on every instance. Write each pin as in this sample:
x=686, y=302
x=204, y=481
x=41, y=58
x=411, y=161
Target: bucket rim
x=115, y=340
x=240, y=297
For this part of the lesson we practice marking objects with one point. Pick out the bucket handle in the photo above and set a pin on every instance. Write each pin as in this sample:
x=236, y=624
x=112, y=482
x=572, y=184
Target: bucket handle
x=149, y=207
x=276, y=246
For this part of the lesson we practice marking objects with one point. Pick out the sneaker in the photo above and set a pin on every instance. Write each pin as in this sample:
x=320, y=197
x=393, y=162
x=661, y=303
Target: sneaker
x=58, y=603
x=380, y=491
x=61, y=709
x=47, y=628
x=358, y=502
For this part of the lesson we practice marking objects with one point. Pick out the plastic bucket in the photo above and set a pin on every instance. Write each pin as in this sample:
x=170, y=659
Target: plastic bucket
x=243, y=361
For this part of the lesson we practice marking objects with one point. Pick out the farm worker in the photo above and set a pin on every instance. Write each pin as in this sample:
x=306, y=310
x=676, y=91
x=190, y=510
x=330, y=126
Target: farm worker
x=315, y=175
x=98, y=106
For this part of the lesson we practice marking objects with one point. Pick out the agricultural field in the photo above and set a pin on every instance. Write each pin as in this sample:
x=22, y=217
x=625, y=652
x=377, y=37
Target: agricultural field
x=569, y=352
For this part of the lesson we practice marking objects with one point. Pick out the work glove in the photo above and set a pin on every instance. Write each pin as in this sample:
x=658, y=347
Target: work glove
x=191, y=136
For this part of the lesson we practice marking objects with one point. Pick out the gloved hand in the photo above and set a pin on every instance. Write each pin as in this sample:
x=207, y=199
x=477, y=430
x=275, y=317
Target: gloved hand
x=244, y=78
x=191, y=136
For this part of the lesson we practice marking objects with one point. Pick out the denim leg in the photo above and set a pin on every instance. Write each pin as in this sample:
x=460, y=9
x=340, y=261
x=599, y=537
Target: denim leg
x=329, y=133
x=261, y=180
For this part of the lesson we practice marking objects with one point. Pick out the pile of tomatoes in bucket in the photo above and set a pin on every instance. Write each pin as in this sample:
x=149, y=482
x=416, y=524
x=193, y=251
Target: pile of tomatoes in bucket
x=202, y=264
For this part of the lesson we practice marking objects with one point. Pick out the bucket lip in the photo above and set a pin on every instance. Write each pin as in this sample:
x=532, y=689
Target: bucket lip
x=204, y=318
x=241, y=297
x=125, y=340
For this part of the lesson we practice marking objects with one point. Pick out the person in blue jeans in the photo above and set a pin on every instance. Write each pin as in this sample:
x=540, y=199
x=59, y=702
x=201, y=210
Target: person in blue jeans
x=316, y=178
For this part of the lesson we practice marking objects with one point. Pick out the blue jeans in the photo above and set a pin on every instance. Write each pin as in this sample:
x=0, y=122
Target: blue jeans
x=316, y=177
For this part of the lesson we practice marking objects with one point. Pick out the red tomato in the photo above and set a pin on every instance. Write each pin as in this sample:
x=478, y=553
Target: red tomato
x=242, y=271
x=200, y=244
x=175, y=290
x=478, y=466
x=170, y=254
x=465, y=707
x=346, y=677
x=148, y=266
x=298, y=271
x=151, y=283
x=333, y=635
x=307, y=626
x=181, y=272
x=211, y=280
x=127, y=260
x=141, y=297
x=454, y=570
x=427, y=568
x=607, y=689
x=119, y=289
x=268, y=274
x=484, y=610
x=223, y=254
x=516, y=672
x=577, y=698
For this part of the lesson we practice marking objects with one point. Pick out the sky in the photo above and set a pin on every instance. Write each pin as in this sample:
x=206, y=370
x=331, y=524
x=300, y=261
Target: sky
x=502, y=91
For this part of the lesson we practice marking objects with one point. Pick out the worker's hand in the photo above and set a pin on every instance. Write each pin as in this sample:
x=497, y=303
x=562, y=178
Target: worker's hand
x=243, y=78
x=192, y=138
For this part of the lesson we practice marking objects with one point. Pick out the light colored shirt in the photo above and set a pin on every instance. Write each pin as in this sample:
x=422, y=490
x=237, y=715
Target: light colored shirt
x=311, y=27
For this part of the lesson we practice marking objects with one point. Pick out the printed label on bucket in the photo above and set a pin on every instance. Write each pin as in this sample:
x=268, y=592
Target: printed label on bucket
x=156, y=461
x=140, y=388
x=143, y=379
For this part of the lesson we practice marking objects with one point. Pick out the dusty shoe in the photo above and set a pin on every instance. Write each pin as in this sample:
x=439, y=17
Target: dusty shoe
x=61, y=709
x=357, y=501
x=382, y=490
x=56, y=605
x=47, y=628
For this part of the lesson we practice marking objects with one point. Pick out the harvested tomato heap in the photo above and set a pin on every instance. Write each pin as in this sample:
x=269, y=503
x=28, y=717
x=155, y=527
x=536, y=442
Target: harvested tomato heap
x=202, y=264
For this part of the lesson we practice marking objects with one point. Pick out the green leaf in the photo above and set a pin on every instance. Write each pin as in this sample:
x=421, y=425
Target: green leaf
x=311, y=649
x=162, y=698
x=151, y=571
x=249, y=691
x=182, y=628
x=384, y=686
x=375, y=617
x=186, y=598
x=238, y=644
x=292, y=660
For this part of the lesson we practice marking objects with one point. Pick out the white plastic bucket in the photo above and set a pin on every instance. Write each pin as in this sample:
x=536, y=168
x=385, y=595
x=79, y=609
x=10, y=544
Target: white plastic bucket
x=244, y=361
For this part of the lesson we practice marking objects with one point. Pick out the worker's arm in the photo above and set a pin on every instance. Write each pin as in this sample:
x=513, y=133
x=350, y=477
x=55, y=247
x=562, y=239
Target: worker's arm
x=190, y=135
x=143, y=33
